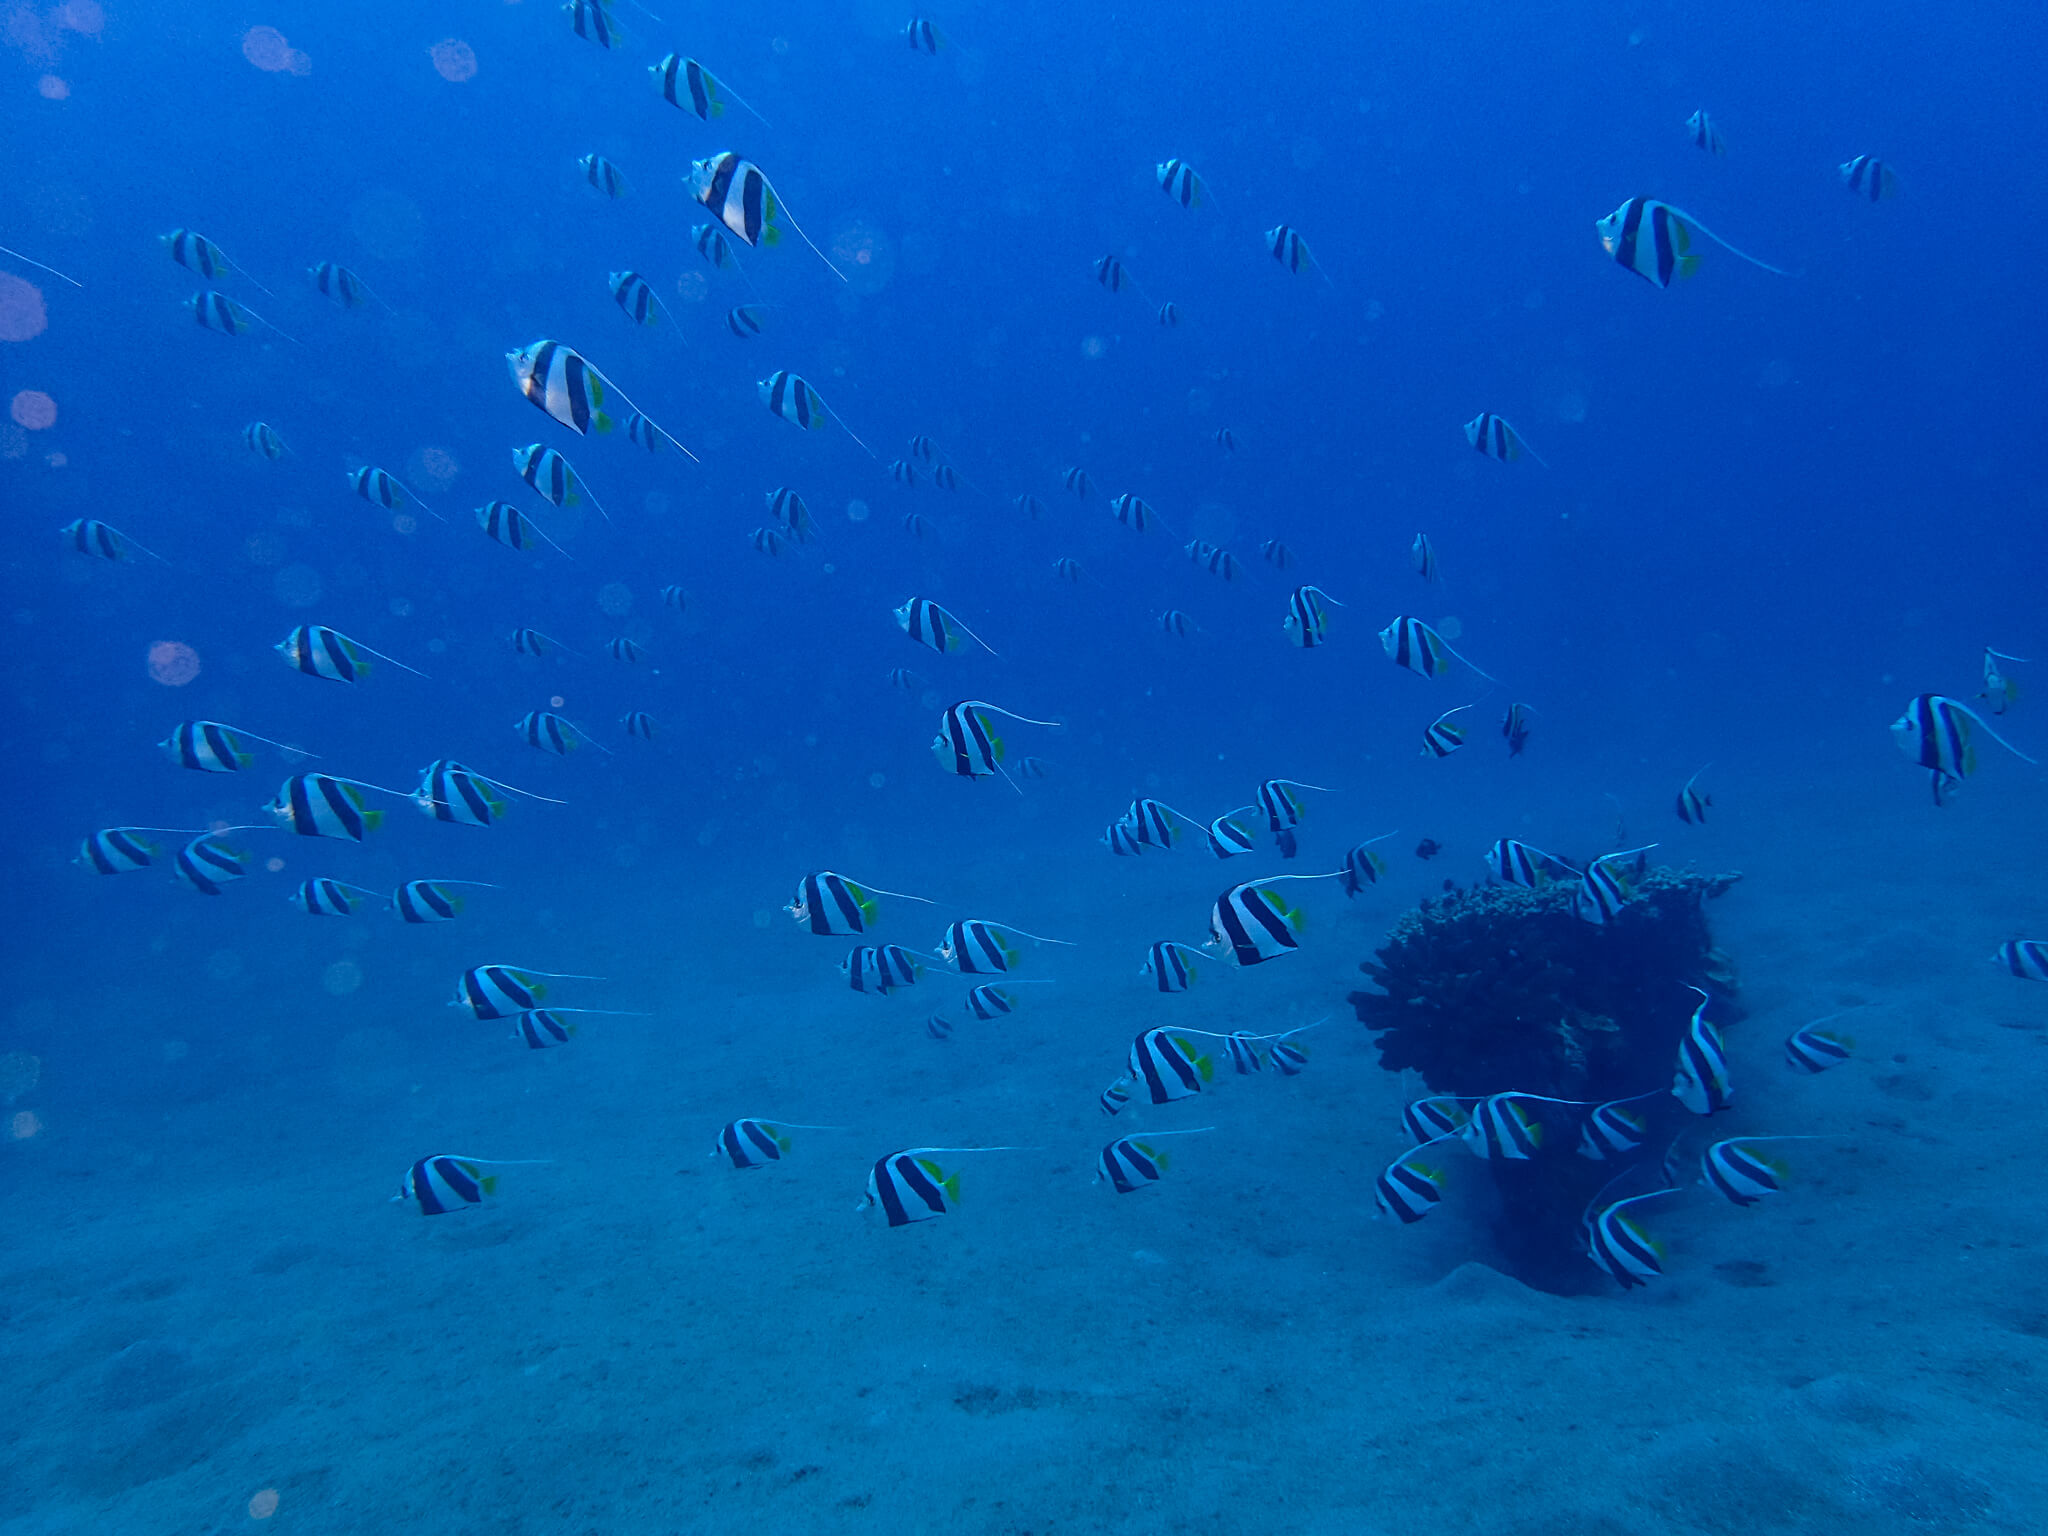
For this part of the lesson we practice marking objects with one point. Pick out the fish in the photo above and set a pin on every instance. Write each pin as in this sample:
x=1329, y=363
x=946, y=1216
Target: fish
x=1701, y=1081
x=1604, y=890
x=1076, y=480
x=833, y=906
x=207, y=746
x=2024, y=958
x=1619, y=1245
x=676, y=597
x=1127, y=1163
x=939, y=1027
x=569, y=389
x=1937, y=733
x=1217, y=562
x=450, y=792
x=904, y=678
x=321, y=805
x=903, y=472
x=446, y=1182
x=261, y=438
x=791, y=398
x=90, y=536
x=531, y=642
x=1169, y=1066
x=500, y=991
x=916, y=524
x=1870, y=178
x=792, y=515
x=512, y=528
x=1691, y=804
x=1411, y=643
x=638, y=723
x=1441, y=738
x=709, y=240
x=1183, y=183
x=1115, y=1097
x=736, y=193
x=214, y=311
x=1254, y=924
x=908, y=1186
x=190, y=250
x=1500, y=1127
x=1363, y=866
x=638, y=301
x=880, y=968
x=929, y=624
x=923, y=36
x=379, y=487
x=751, y=1143
x=1284, y=810
x=1242, y=1046
x=689, y=85
x=623, y=649
x=977, y=947
x=1515, y=863
x=1134, y=512
x=324, y=897
x=1029, y=505
x=1172, y=966
x=552, y=733
x=1613, y=1130
x=767, y=541
x=549, y=473
x=1277, y=555
x=1122, y=841
x=1408, y=1190
x=1110, y=273
x=542, y=1029
x=1227, y=839
x=431, y=901
x=1704, y=134
x=318, y=651
x=1737, y=1171
x=1175, y=622
x=1033, y=768
x=1514, y=726
x=1491, y=435
x=743, y=320
x=336, y=282
x=1067, y=568
x=118, y=851
x=1169, y=315
x=1422, y=555
x=1436, y=1117
x=592, y=21
x=1654, y=241
x=1154, y=823
x=946, y=477
x=1288, y=1058
x=988, y=1002
x=1813, y=1049
x=1999, y=690
x=1291, y=251
x=967, y=745
x=208, y=865
x=1308, y=623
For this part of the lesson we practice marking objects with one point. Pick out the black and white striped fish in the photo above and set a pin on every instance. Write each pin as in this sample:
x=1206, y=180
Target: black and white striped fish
x=977, y=947
x=1434, y=1118
x=509, y=526
x=207, y=746
x=1291, y=251
x=531, y=642
x=1422, y=555
x=502, y=991
x=1617, y=1243
x=431, y=901
x=1691, y=804
x=923, y=37
x=1411, y=643
x=1408, y=1190
x=592, y=21
x=1029, y=505
x=327, y=897
x=689, y=85
x=321, y=805
x=2025, y=958
x=1131, y=1162
x=1172, y=966
x=1704, y=134
x=1701, y=1082
x=1441, y=737
x=261, y=438
x=1169, y=1066
x=1308, y=621
x=1363, y=866
x=1076, y=480
x=1491, y=435
x=1654, y=241
x=1277, y=555
x=744, y=320
x=208, y=865
x=1870, y=178
x=604, y=176
x=549, y=473
x=1515, y=863
x=1113, y=1099
x=1937, y=733
x=196, y=253
x=1169, y=315
x=214, y=311
x=790, y=397
x=929, y=624
x=1122, y=840
x=636, y=297
x=318, y=651
x=638, y=723
x=1183, y=183
x=450, y=792
x=1813, y=1049
x=739, y=196
x=1502, y=1127
x=1228, y=838
x=709, y=240
x=880, y=969
x=567, y=387
x=1134, y=512
x=1613, y=1130
x=1253, y=924
x=908, y=1186
x=832, y=906
x=90, y=536
x=446, y=1182
x=1607, y=886
x=118, y=850
x=967, y=744
x=551, y=732
x=338, y=284
x=1514, y=728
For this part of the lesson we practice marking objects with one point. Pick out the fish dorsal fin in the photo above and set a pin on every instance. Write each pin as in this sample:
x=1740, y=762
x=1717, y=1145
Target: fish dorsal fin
x=1684, y=223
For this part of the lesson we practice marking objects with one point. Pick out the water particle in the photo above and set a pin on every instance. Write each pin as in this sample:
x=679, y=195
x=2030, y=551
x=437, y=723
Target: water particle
x=33, y=409
x=341, y=978
x=173, y=663
x=454, y=60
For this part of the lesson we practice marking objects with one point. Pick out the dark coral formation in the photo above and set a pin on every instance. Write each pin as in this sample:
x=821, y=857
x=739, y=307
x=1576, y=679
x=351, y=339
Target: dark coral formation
x=1503, y=988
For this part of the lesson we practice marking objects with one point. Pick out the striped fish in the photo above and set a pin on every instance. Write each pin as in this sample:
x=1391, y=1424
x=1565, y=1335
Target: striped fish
x=117, y=850
x=637, y=299
x=1154, y=823
x=196, y=253
x=1110, y=273
x=987, y=1002
x=1172, y=966
x=1227, y=839
x=791, y=398
x=324, y=897
x=378, y=487
x=1870, y=178
x=512, y=528
x=736, y=194
x=1217, y=562
x=1736, y=1170
x=1242, y=1046
x=1363, y=866
x=689, y=85
x=903, y=472
x=531, y=642
x=767, y=541
x=214, y=311
x=1502, y=1127
x=1606, y=887
x=1435, y=1118
x=90, y=536
x=1701, y=1081
x=1183, y=183
x=1134, y=512
x=1411, y=643
x=339, y=284
x=542, y=1029
x=675, y=597
x=1291, y=251
x=501, y=991
x=2024, y=958
x=1704, y=135
x=880, y=968
x=450, y=792
x=1691, y=804
x=1168, y=1066
x=1654, y=241
x=1422, y=555
x=1115, y=1097
x=1308, y=622
x=1288, y=1058
x=446, y=1182
x=792, y=515
x=976, y=946
x=207, y=746
x=1938, y=734
x=1066, y=568
x=322, y=652
x=967, y=745
x=207, y=865
x=929, y=624
x=624, y=649
x=551, y=732
x=1029, y=505
x=709, y=240
x=1408, y=1190
x=908, y=1186
x=430, y=901
x=1999, y=689
x=1513, y=863
x=1076, y=480
x=1514, y=727
x=939, y=1027
x=261, y=438
x=833, y=906
x=743, y=320
x=917, y=525
x=1122, y=840
x=923, y=36
x=1620, y=1246
x=1169, y=315
x=554, y=477
x=1128, y=1163
x=1442, y=738
x=1254, y=924
x=568, y=388
x=321, y=805
x=1491, y=435
x=592, y=21
x=1277, y=555
x=1176, y=622
x=1613, y=1130
x=638, y=723
x=1284, y=810
x=1813, y=1049
x=750, y=1143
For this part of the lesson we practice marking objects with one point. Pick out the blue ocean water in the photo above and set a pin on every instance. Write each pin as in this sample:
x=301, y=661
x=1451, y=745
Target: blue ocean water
x=1769, y=510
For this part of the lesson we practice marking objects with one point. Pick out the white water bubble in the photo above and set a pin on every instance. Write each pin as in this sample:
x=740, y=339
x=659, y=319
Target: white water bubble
x=341, y=978
x=857, y=511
